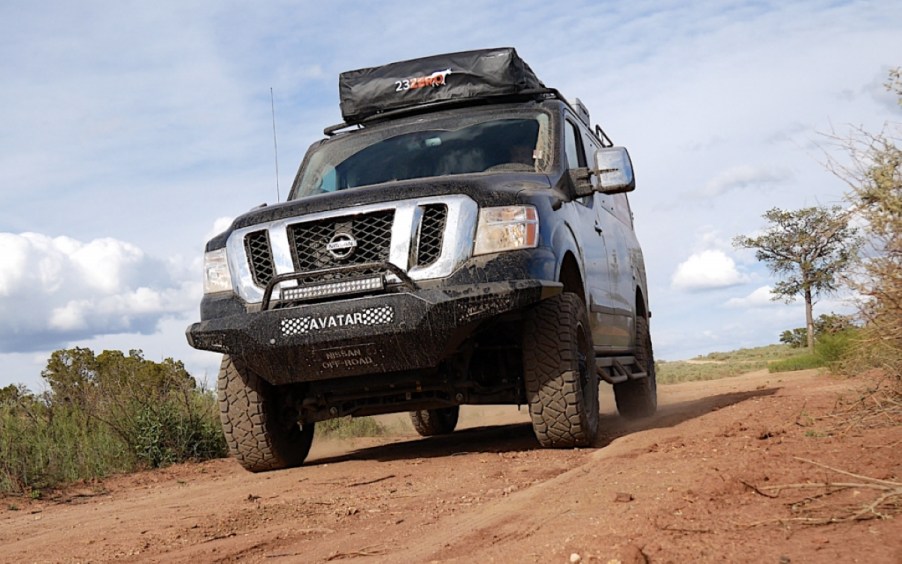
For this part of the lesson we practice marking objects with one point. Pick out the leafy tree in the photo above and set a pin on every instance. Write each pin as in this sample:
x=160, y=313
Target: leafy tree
x=825, y=324
x=832, y=323
x=71, y=374
x=807, y=248
x=13, y=393
x=795, y=338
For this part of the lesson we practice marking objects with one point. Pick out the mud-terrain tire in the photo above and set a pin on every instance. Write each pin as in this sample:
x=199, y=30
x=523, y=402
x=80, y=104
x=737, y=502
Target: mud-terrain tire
x=559, y=373
x=259, y=436
x=639, y=398
x=441, y=421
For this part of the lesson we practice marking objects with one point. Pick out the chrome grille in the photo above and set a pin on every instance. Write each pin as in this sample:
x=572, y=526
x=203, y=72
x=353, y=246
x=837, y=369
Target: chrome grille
x=259, y=256
x=372, y=232
x=432, y=229
x=425, y=238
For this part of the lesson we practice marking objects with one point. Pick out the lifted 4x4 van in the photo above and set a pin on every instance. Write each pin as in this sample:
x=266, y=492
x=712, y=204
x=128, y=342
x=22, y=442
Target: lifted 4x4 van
x=463, y=238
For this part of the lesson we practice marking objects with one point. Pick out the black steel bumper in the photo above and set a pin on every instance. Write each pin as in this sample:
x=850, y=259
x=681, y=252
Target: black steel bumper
x=378, y=334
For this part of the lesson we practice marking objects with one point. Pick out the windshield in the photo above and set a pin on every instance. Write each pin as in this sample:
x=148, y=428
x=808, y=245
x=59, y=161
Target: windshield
x=440, y=148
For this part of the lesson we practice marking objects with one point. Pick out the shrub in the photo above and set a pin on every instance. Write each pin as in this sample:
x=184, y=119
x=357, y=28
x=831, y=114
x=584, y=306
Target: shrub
x=42, y=447
x=104, y=414
x=176, y=430
x=833, y=347
x=830, y=349
x=825, y=324
x=348, y=427
x=801, y=362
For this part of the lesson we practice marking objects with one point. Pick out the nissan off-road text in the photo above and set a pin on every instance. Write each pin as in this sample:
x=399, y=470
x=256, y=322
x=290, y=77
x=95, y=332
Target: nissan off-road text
x=464, y=237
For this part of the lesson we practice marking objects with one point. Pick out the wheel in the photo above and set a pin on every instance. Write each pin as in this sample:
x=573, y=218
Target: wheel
x=260, y=436
x=429, y=422
x=639, y=398
x=559, y=373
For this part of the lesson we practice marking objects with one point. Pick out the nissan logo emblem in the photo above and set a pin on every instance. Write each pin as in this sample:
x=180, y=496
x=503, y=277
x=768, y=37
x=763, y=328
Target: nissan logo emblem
x=342, y=245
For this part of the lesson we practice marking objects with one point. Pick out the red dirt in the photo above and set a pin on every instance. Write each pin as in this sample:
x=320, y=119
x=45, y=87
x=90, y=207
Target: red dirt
x=695, y=483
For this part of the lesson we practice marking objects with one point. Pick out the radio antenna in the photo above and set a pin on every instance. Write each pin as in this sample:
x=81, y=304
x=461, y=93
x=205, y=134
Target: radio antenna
x=275, y=145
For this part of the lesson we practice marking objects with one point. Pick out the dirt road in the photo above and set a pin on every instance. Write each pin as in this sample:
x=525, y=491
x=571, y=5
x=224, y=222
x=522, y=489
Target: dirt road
x=696, y=483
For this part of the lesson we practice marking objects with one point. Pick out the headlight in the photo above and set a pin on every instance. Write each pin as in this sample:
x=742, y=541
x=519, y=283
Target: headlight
x=506, y=228
x=217, y=277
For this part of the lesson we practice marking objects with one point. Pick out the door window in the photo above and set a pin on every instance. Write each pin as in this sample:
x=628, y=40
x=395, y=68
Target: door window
x=575, y=156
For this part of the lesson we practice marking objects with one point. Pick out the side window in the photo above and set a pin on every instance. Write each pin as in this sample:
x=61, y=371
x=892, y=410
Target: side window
x=575, y=156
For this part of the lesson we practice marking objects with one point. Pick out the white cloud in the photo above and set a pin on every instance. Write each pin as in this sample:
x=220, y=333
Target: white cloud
x=744, y=177
x=706, y=270
x=56, y=290
x=15, y=258
x=102, y=263
x=69, y=317
x=710, y=238
x=760, y=297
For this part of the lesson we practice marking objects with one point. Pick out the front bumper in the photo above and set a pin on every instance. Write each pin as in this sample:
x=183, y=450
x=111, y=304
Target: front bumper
x=378, y=334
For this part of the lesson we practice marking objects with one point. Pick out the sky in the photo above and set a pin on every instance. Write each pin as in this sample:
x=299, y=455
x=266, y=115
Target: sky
x=131, y=132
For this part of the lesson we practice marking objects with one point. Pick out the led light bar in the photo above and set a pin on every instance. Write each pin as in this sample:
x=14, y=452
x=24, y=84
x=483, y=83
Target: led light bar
x=332, y=289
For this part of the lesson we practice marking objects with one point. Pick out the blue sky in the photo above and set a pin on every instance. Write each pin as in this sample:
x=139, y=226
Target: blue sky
x=132, y=131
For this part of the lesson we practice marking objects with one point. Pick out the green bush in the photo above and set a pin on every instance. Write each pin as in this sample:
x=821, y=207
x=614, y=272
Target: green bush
x=801, y=362
x=104, y=414
x=42, y=448
x=831, y=348
x=825, y=325
x=349, y=427
x=175, y=431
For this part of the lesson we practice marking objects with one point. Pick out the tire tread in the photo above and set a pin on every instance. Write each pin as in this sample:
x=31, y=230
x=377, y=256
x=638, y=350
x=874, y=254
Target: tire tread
x=562, y=413
x=254, y=436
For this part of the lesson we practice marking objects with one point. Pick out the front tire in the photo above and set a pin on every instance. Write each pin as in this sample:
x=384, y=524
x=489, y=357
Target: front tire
x=639, y=398
x=430, y=422
x=260, y=436
x=559, y=373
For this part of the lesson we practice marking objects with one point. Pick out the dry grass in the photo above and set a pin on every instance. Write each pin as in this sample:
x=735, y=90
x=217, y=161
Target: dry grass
x=723, y=364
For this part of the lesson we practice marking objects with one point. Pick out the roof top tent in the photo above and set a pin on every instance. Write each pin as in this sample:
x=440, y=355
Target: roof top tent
x=370, y=93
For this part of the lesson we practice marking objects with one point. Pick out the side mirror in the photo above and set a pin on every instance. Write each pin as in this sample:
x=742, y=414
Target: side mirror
x=615, y=170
